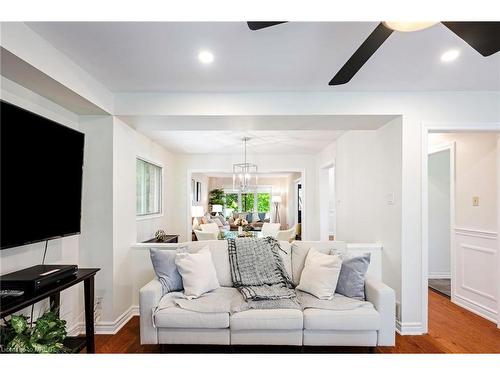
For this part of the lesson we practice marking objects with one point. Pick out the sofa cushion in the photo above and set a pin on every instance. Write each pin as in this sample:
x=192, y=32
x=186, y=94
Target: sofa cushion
x=198, y=272
x=220, y=259
x=266, y=319
x=320, y=274
x=364, y=318
x=352, y=276
x=165, y=268
x=175, y=317
x=301, y=248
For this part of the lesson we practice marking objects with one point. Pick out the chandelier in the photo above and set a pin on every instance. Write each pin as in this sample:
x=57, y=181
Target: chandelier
x=245, y=174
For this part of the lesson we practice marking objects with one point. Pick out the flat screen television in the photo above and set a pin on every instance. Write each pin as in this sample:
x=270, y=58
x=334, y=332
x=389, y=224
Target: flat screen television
x=41, y=178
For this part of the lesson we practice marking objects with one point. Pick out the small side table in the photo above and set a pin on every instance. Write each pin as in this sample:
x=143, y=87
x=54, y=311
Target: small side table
x=53, y=292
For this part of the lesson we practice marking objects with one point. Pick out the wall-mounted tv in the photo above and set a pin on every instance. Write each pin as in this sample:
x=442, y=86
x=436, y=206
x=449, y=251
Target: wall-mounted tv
x=41, y=178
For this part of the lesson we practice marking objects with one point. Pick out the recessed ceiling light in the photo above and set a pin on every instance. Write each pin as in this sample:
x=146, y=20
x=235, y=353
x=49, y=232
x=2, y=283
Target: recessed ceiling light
x=206, y=57
x=450, y=55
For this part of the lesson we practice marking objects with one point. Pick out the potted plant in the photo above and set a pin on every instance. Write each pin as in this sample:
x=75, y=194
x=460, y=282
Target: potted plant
x=45, y=336
x=216, y=196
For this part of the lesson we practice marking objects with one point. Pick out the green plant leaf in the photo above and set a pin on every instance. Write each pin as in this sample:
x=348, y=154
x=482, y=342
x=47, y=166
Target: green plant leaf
x=19, y=323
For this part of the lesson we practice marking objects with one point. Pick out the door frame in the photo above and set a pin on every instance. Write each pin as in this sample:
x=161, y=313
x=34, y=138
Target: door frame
x=439, y=128
x=450, y=147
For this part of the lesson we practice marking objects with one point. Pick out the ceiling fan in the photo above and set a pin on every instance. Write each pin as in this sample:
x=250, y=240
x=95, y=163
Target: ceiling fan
x=484, y=37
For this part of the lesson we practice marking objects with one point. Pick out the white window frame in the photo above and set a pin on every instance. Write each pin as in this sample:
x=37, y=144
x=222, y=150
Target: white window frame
x=160, y=195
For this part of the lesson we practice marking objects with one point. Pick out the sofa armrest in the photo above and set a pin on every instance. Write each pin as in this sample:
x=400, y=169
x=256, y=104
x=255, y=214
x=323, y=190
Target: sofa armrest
x=383, y=299
x=149, y=296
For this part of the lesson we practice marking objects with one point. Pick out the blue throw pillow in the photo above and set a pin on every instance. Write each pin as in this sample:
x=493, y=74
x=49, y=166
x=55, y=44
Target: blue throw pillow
x=249, y=217
x=262, y=216
x=164, y=265
x=351, y=281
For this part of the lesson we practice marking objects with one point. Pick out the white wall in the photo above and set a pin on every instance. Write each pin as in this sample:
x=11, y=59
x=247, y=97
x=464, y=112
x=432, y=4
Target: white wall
x=96, y=240
x=109, y=223
x=60, y=251
x=152, y=151
x=368, y=191
x=439, y=215
x=476, y=171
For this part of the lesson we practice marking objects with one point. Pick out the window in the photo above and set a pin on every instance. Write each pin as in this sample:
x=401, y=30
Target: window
x=259, y=201
x=149, y=191
x=263, y=202
x=247, y=200
x=232, y=201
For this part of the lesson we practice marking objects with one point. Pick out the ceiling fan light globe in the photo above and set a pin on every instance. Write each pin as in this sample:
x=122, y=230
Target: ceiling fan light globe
x=407, y=27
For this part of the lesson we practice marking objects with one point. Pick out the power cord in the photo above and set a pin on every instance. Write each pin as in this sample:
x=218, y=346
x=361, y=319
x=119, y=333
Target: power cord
x=43, y=262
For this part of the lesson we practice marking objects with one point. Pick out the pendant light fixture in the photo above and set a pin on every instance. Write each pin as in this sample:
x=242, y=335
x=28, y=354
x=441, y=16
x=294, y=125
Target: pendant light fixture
x=245, y=174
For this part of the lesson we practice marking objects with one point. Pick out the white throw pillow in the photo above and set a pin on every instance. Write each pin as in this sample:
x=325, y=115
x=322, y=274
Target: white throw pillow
x=218, y=222
x=198, y=272
x=320, y=274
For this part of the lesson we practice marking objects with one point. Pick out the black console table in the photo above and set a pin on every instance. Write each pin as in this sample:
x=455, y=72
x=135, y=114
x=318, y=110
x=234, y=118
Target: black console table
x=169, y=238
x=11, y=305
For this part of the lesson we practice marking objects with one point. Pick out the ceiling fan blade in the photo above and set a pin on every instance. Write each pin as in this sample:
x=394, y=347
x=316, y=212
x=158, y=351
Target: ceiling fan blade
x=257, y=25
x=362, y=54
x=484, y=37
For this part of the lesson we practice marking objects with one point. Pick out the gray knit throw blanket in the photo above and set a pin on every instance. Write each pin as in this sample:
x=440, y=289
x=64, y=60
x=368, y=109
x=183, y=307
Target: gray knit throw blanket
x=258, y=272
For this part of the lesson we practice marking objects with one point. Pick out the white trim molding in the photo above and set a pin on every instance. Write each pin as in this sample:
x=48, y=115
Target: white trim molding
x=439, y=275
x=475, y=308
x=479, y=233
x=409, y=328
x=107, y=328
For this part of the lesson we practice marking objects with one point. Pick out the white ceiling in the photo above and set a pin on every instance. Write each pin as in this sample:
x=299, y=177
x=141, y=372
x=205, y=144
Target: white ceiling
x=269, y=142
x=270, y=134
x=156, y=57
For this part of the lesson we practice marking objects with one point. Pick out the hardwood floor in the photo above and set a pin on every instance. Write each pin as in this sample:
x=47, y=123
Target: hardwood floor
x=451, y=330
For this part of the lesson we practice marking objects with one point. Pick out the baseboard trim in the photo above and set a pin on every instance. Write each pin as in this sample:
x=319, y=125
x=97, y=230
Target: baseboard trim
x=409, y=328
x=106, y=328
x=439, y=275
x=475, y=308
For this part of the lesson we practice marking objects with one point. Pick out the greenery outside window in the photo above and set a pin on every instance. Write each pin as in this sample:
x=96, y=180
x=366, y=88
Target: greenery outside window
x=263, y=202
x=259, y=201
x=247, y=202
x=232, y=201
x=149, y=188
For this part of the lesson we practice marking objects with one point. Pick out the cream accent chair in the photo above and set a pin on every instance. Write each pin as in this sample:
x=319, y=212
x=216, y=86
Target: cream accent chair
x=270, y=229
x=210, y=227
x=204, y=236
x=286, y=235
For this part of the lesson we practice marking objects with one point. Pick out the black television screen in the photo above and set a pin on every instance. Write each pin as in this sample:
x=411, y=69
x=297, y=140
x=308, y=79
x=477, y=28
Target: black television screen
x=41, y=178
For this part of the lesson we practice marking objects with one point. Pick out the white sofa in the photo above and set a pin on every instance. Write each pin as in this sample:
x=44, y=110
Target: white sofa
x=369, y=326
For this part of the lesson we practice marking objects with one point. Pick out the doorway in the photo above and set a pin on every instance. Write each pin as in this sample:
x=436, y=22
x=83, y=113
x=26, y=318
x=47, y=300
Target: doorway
x=441, y=207
x=475, y=216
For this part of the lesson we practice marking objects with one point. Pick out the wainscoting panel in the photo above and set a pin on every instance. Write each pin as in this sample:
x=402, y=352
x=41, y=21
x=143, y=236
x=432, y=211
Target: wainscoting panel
x=475, y=284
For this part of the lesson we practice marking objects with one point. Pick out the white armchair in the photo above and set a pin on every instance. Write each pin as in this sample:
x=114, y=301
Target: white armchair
x=210, y=227
x=286, y=235
x=202, y=235
x=270, y=229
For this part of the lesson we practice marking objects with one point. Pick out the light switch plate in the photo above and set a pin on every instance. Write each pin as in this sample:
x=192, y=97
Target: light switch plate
x=390, y=199
x=475, y=201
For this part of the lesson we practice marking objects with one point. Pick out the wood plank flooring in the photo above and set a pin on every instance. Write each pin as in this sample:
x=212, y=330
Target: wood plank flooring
x=452, y=329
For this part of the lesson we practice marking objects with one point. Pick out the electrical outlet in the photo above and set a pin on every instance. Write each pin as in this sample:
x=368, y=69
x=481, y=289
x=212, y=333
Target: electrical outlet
x=475, y=201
